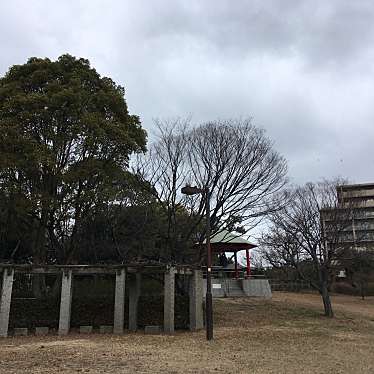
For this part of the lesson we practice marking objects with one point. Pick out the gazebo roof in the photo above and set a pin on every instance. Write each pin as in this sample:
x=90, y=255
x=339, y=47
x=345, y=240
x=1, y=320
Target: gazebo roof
x=226, y=241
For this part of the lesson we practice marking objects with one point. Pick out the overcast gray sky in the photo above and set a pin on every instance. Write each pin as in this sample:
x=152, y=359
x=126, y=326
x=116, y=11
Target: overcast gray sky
x=302, y=69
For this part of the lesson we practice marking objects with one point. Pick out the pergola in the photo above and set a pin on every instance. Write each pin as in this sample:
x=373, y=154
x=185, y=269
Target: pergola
x=225, y=241
x=121, y=273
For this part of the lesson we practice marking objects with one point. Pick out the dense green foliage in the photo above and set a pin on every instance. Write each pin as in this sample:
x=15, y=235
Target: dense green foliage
x=65, y=141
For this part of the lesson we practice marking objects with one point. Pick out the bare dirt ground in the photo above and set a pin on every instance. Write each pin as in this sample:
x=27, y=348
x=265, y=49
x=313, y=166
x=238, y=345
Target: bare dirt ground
x=285, y=335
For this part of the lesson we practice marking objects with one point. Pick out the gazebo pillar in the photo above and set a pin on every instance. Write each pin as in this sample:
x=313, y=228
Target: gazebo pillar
x=248, y=263
x=236, y=265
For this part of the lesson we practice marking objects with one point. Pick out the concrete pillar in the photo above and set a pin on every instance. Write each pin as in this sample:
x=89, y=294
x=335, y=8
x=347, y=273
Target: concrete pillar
x=119, y=302
x=134, y=293
x=65, y=304
x=169, y=297
x=5, y=300
x=196, y=301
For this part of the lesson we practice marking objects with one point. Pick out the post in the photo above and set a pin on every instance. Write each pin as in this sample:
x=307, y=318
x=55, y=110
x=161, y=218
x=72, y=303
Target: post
x=119, y=302
x=208, y=297
x=5, y=301
x=65, y=304
x=248, y=263
x=236, y=265
x=169, y=298
x=134, y=293
x=188, y=190
x=196, y=301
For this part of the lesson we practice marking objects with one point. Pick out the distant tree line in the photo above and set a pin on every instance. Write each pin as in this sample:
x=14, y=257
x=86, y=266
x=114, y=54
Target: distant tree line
x=72, y=189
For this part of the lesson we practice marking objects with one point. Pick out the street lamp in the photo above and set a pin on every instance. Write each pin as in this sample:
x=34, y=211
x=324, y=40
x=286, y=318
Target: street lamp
x=188, y=190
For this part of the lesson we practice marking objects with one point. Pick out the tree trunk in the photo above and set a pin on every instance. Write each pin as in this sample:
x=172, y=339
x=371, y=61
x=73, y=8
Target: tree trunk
x=326, y=301
x=39, y=287
x=324, y=291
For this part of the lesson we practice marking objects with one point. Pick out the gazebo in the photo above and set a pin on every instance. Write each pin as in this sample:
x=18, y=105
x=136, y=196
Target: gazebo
x=225, y=241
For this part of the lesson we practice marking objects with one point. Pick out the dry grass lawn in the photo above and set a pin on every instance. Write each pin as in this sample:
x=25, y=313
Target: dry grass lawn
x=285, y=335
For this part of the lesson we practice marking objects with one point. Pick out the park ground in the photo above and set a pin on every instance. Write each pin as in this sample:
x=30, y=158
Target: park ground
x=287, y=334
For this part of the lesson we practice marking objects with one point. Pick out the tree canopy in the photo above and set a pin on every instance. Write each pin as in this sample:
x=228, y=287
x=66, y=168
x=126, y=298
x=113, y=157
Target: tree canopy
x=67, y=194
x=65, y=140
x=234, y=159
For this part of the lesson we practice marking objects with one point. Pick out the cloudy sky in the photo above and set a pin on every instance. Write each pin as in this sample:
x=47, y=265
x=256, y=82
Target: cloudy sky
x=304, y=70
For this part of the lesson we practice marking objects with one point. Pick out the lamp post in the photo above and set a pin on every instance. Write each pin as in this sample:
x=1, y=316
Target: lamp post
x=188, y=190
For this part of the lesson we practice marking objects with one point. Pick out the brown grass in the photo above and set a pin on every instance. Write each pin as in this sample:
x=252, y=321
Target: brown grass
x=285, y=335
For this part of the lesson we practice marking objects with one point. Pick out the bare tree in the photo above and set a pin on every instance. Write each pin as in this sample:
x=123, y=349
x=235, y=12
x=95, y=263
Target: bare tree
x=237, y=163
x=233, y=159
x=300, y=235
x=164, y=168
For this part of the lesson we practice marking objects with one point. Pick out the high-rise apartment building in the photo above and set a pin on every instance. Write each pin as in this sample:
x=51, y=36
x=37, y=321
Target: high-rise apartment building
x=359, y=199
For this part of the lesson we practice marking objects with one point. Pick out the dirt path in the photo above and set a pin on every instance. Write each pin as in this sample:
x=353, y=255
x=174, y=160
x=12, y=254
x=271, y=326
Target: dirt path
x=284, y=335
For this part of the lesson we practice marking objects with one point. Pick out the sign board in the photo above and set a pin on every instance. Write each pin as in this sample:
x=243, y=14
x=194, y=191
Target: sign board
x=216, y=285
